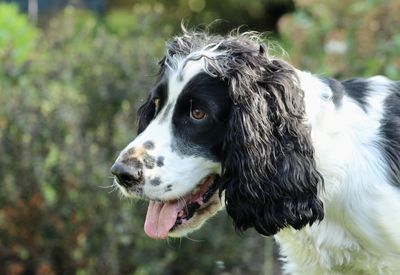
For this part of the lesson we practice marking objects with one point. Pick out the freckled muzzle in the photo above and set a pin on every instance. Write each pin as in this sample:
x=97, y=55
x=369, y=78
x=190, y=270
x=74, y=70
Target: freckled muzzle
x=128, y=170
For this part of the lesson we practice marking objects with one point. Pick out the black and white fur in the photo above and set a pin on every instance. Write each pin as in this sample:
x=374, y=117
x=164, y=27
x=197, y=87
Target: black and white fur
x=311, y=160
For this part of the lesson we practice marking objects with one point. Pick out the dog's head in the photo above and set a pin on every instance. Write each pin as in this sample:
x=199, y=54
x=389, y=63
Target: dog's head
x=224, y=116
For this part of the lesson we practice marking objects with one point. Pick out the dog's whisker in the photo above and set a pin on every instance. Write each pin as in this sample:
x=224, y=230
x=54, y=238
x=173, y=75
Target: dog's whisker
x=169, y=242
x=193, y=240
x=114, y=189
x=106, y=186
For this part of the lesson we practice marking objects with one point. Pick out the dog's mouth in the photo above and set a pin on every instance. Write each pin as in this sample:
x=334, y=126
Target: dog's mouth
x=165, y=217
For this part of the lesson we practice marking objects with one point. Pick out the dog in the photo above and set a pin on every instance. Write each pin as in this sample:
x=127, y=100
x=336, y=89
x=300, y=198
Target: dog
x=310, y=160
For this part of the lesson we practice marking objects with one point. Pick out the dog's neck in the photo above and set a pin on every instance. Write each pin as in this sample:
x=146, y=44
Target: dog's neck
x=318, y=99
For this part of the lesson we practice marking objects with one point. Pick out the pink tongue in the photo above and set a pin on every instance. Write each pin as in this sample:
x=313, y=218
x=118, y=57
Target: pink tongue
x=161, y=218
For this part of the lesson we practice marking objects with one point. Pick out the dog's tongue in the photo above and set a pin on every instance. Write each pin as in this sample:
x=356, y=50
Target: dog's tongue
x=161, y=218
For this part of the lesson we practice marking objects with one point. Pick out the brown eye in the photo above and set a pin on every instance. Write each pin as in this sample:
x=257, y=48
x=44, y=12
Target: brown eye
x=197, y=114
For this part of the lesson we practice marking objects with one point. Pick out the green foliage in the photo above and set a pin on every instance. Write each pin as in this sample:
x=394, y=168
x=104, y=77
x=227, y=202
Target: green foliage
x=15, y=33
x=342, y=39
x=260, y=15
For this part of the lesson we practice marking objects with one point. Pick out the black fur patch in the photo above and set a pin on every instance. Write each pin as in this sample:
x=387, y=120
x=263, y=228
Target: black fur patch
x=149, y=161
x=390, y=129
x=149, y=145
x=357, y=89
x=160, y=161
x=156, y=181
x=169, y=188
x=337, y=90
x=201, y=137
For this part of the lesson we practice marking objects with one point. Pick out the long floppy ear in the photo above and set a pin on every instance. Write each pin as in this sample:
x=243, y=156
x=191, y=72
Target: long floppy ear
x=269, y=173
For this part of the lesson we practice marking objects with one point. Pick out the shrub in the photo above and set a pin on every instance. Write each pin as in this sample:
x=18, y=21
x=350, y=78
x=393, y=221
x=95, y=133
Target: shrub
x=17, y=37
x=341, y=39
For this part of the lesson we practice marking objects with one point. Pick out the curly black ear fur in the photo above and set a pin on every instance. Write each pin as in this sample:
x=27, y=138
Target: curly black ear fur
x=269, y=173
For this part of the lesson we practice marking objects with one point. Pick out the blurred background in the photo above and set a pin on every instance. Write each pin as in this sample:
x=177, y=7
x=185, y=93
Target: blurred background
x=72, y=75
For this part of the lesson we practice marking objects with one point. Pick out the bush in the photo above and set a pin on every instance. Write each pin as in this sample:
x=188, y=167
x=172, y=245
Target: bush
x=341, y=39
x=17, y=36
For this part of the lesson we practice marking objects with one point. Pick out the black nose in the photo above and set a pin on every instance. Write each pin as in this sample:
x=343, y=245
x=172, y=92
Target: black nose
x=127, y=176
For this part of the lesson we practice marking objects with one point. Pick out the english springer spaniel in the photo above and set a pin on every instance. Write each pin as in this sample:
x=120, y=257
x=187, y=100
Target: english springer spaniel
x=309, y=159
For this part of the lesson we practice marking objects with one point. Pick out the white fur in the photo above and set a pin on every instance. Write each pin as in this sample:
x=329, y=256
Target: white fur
x=360, y=233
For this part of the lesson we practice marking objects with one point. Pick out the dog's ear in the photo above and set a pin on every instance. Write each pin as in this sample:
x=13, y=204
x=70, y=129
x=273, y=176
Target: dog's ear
x=269, y=173
x=145, y=114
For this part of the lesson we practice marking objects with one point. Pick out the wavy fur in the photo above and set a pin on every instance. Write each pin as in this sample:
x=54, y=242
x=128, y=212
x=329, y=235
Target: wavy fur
x=269, y=173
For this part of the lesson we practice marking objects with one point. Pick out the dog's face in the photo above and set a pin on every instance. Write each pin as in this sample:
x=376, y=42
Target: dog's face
x=176, y=159
x=221, y=116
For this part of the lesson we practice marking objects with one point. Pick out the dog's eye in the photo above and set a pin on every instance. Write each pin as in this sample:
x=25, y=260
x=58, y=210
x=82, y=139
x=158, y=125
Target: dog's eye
x=197, y=114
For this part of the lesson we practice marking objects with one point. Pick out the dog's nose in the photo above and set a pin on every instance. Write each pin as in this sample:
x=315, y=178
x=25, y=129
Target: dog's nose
x=127, y=176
